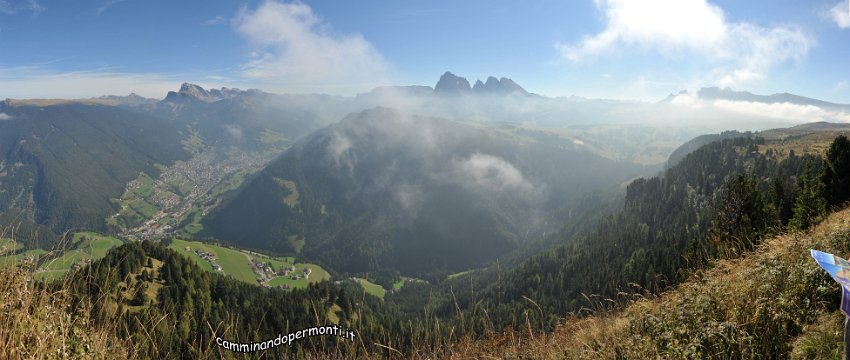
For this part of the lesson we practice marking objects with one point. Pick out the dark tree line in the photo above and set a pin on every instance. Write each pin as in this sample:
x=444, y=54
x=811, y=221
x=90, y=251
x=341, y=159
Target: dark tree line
x=719, y=201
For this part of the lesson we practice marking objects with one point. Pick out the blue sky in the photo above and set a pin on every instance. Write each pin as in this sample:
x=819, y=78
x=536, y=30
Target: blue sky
x=601, y=49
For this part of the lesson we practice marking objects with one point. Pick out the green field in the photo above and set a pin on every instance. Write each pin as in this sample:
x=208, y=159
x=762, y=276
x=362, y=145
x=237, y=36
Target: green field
x=371, y=288
x=236, y=263
x=403, y=281
x=145, y=188
x=275, y=262
x=84, y=245
x=9, y=260
x=142, y=207
x=459, y=274
x=317, y=274
x=232, y=262
x=95, y=244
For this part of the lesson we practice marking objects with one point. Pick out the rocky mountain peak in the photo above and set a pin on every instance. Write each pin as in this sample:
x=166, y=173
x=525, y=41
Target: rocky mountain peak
x=450, y=83
x=189, y=91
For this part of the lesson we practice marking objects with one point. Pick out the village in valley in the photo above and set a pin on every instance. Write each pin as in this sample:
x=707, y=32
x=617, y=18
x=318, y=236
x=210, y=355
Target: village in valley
x=267, y=271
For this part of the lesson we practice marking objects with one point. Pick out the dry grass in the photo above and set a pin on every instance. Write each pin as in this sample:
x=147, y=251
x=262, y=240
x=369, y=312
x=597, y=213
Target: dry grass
x=772, y=303
x=36, y=323
x=816, y=143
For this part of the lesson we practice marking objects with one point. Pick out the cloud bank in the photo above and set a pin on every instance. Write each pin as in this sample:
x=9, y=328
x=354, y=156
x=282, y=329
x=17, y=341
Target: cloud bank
x=296, y=49
x=788, y=113
x=740, y=52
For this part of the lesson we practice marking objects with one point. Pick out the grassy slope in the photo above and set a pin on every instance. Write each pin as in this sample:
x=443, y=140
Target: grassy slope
x=317, y=274
x=371, y=288
x=235, y=263
x=94, y=247
x=774, y=302
x=232, y=262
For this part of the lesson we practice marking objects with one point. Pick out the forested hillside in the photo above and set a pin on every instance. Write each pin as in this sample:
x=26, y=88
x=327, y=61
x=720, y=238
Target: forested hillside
x=383, y=189
x=718, y=202
x=62, y=164
x=772, y=303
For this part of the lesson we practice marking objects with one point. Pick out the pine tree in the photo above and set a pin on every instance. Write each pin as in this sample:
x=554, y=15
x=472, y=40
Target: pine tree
x=141, y=297
x=836, y=177
x=810, y=204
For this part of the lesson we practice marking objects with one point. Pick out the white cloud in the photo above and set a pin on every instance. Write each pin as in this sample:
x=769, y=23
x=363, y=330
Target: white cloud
x=840, y=14
x=783, y=111
x=4, y=116
x=218, y=20
x=687, y=100
x=106, y=5
x=338, y=145
x=298, y=52
x=842, y=85
x=492, y=173
x=740, y=52
x=659, y=23
x=234, y=131
x=11, y=8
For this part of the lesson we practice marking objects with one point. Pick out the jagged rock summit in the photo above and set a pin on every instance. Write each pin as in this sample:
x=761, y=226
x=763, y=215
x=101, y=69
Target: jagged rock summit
x=452, y=84
x=189, y=91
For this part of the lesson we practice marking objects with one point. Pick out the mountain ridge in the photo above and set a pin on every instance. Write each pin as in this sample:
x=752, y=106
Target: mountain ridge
x=450, y=83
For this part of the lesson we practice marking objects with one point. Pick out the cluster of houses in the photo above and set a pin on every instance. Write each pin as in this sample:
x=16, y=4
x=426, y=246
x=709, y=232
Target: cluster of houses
x=209, y=257
x=265, y=272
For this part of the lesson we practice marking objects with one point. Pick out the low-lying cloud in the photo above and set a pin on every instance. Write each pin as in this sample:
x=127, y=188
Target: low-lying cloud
x=235, y=132
x=491, y=173
x=784, y=111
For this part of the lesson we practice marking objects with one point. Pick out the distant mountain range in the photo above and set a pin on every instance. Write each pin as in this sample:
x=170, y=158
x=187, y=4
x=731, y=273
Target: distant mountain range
x=716, y=93
x=194, y=92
